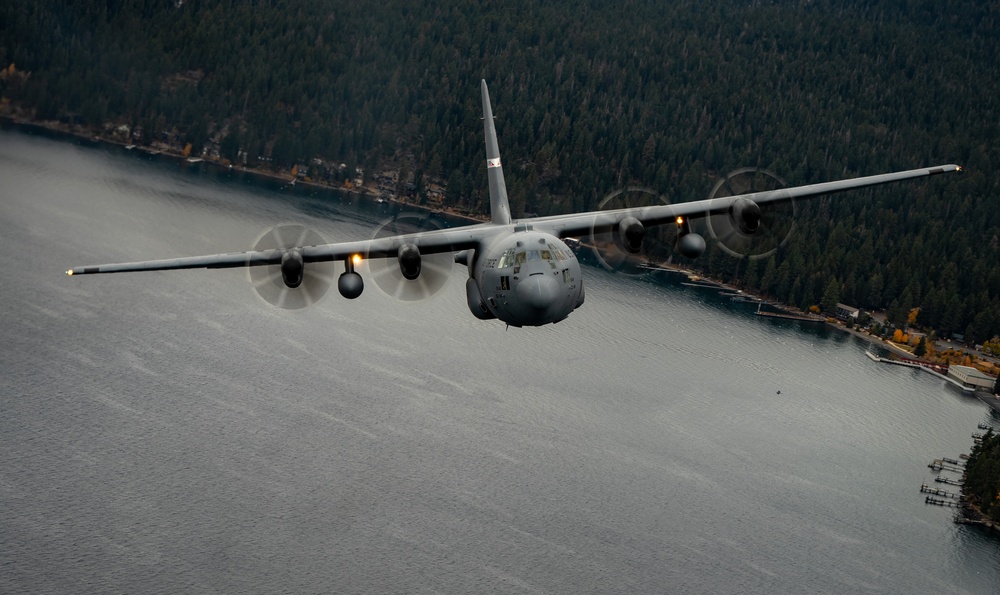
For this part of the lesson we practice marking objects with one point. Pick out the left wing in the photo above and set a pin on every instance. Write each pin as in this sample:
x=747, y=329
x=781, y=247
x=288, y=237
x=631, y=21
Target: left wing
x=602, y=221
x=428, y=242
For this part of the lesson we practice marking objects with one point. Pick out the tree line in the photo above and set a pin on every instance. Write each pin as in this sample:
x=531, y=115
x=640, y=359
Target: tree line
x=589, y=98
x=982, y=476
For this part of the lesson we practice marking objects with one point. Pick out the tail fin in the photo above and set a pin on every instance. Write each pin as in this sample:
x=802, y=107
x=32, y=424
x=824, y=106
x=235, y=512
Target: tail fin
x=499, y=207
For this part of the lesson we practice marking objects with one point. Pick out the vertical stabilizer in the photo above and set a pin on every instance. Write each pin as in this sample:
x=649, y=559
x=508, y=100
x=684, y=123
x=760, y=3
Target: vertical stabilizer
x=499, y=207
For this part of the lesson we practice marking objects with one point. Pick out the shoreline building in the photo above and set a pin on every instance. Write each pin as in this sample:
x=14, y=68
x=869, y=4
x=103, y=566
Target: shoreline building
x=971, y=378
x=844, y=312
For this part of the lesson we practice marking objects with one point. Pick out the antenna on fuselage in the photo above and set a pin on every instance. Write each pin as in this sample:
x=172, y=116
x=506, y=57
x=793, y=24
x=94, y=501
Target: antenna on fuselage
x=499, y=206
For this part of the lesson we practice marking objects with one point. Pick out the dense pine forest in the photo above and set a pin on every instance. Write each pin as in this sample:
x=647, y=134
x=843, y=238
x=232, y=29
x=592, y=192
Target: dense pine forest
x=590, y=97
x=982, y=477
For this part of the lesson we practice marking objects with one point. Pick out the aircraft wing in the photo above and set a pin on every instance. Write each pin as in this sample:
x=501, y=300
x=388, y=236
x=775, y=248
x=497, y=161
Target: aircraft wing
x=599, y=221
x=428, y=242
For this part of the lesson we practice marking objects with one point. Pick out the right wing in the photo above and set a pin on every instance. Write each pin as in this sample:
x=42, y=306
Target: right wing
x=581, y=224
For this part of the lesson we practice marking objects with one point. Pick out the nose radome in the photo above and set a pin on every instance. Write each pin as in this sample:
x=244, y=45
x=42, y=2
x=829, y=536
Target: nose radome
x=538, y=292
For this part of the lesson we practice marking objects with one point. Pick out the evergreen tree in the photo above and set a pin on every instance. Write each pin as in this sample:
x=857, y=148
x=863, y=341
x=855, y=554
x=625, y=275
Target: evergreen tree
x=831, y=297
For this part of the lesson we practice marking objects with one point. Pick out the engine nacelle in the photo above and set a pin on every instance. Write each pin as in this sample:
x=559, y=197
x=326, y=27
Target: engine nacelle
x=292, y=268
x=350, y=285
x=409, y=261
x=631, y=232
x=745, y=215
x=691, y=245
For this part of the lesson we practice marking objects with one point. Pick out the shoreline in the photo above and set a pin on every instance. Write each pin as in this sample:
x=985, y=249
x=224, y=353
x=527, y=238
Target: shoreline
x=832, y=323
x=95, y=136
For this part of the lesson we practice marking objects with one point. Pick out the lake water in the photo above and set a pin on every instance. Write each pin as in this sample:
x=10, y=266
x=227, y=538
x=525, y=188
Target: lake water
x=166, y=432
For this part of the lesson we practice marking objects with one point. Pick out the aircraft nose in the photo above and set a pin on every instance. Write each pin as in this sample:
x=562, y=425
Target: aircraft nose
x=538, y=292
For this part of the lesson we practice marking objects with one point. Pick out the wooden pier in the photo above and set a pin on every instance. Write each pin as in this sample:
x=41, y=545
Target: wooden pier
x=947, y=465
x=948, y=480
x=789, y=316
x=885, y=360
x=926, y=489
x=702, y=285
x=940, y=502
x=785, y=315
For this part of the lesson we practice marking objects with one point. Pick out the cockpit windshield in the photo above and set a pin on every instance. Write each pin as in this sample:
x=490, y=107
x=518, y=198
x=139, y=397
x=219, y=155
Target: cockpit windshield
x=551, y=255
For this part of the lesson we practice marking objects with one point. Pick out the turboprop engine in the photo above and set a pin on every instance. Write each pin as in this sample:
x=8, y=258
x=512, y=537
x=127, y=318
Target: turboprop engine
x=745, y=215
x=292, y=268
x=409, y=261
x=631, y=232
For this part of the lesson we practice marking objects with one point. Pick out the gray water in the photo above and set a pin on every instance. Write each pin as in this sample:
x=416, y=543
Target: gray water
x=165, y=432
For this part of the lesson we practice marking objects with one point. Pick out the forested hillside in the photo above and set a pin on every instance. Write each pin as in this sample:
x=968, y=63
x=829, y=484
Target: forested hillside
x=590, y=97
x=982, y=476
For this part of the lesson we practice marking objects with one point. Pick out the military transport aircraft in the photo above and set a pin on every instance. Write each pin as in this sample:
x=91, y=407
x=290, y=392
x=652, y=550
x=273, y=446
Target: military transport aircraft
x=521, y=271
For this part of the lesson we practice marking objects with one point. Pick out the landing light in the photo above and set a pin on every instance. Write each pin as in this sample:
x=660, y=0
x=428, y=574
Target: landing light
x=958, y=168
x=70, y=272
x=356, y=259
x=680, y=221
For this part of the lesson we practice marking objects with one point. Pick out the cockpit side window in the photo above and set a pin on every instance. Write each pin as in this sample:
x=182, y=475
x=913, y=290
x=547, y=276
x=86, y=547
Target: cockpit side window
x=507, y=259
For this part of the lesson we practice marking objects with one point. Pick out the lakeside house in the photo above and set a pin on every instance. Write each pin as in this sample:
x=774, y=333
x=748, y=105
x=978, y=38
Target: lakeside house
x=844, y=312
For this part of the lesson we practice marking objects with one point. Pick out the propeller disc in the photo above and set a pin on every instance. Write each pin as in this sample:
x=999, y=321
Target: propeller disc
x=317, y=277
x=776, y=221
x=435, y=269
x=656, y=245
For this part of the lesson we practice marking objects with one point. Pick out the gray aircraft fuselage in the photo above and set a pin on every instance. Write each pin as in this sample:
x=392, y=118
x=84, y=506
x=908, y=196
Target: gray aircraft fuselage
x=528, y=278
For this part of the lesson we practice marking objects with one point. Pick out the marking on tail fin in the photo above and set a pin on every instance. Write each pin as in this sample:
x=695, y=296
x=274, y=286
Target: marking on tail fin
x=499, y=205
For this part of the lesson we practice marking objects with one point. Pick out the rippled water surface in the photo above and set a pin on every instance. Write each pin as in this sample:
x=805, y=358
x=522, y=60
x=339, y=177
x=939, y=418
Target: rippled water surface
x=165, y=432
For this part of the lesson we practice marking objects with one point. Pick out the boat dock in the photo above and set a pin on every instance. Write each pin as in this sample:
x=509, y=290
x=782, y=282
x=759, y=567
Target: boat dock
x=941, y=502
x=885, y=360
x=939, y=496
x=702, y=285
x=926, y=489
x=947, y=465
x=787, y=316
